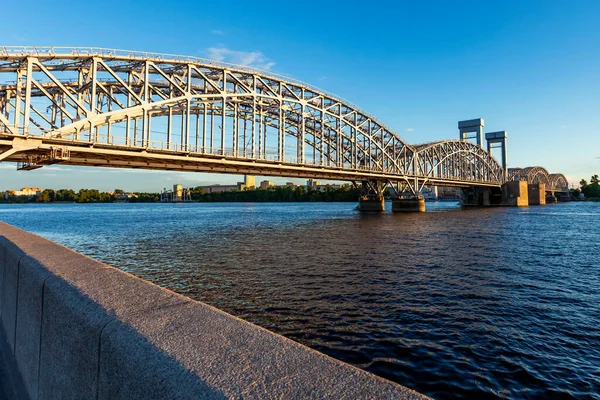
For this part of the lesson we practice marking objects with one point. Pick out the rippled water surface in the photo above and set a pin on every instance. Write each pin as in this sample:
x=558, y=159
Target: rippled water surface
x=498, y=302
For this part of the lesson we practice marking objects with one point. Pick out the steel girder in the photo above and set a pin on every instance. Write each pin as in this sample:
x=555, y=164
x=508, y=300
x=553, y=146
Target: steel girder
x=144, y=110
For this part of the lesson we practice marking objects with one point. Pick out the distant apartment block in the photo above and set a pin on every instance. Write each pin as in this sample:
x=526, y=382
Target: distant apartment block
x=266, y=184
x=248, y=184
x=29, y=192
x=221, y=188
x=317, y=186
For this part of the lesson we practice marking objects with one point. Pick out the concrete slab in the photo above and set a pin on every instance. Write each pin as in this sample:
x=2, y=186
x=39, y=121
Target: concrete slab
x=232, y=357
x=74, y=315
x=10, y=280
x=11, y=386
x=32, y=276
x=3, y=243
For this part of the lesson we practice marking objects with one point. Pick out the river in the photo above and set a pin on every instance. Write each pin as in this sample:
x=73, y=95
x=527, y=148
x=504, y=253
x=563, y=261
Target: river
x=494, y=302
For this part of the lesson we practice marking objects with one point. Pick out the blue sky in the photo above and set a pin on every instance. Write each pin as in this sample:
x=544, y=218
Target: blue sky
x=531, y=68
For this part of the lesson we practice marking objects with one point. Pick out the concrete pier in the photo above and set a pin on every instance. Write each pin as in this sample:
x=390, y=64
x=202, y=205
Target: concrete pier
x=480, y=197
x=371, y=204
x=515, y=194
x=79, y=329
x=408, y=204
x=536, y=193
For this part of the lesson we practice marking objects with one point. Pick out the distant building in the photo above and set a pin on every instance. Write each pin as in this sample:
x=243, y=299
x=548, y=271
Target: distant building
x=266, y=184
x=125, y=197
x=29, y=192
x=221, y=188
x=312, y=184
x=317, y=186
x=249, y=182
x=449, y=193
x=292, y=184
x=177, y=192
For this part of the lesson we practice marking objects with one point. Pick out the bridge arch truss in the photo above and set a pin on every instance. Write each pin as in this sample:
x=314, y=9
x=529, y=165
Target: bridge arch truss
x=536, y=174
x=143, y=110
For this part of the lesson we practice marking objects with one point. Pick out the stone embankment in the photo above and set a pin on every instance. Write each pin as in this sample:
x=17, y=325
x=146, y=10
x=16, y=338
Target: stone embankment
x=79, y=329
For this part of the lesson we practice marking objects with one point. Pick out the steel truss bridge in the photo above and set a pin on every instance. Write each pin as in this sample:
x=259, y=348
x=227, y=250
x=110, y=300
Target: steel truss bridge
x=553, y=182
x=127, y=109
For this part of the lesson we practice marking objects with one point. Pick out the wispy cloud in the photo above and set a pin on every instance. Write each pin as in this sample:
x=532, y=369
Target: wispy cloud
x=17, y=37
x=217, y=32
x=410, y=129
x=248, y=58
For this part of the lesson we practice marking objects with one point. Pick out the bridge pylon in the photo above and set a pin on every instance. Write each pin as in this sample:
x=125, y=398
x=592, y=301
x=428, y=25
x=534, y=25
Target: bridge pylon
x=472, y=129
x=371, y=195
x=407, y=198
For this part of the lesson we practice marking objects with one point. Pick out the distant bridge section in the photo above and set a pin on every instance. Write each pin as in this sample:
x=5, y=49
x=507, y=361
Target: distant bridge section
x=553, y=182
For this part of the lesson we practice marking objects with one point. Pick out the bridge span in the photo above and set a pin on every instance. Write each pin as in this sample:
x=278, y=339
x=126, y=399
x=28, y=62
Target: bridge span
x=127, y=109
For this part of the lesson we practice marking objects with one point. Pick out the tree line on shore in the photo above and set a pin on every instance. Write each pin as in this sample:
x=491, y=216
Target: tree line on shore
x=272, y=194
x=590, y=190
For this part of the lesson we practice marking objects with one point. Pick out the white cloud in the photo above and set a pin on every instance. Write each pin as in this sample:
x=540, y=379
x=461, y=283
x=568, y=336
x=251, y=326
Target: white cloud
x=17, y=37
x=217, y=32
x=248, y=58
x=410, y=129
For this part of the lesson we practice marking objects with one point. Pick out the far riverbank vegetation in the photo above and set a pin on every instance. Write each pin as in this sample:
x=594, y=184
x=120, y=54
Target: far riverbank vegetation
x=590, y=191
x=272, y=194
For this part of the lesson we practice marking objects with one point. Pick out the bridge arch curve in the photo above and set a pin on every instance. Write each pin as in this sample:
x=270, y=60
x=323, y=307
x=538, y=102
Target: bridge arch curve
x=558, y=182
x=457, y=160
x=530, y=174
x=127, y=109
x=121, y=97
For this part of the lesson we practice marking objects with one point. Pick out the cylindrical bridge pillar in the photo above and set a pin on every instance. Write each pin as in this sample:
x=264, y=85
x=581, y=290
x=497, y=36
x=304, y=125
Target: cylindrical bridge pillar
x=371, y=204
x=408, y=204
x=371, y=196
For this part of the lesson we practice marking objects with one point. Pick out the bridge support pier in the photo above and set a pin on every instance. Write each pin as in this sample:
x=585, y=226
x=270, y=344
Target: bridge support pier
x=551, y=198
x=371, y=204
x=515, y=194
x=476, y=197
x=536, y=192
x=409, y=203
x=371, y=196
